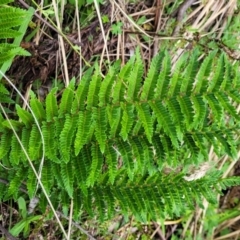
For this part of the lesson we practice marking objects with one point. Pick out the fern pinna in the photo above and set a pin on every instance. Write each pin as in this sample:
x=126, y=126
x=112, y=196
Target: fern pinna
x=109, y=141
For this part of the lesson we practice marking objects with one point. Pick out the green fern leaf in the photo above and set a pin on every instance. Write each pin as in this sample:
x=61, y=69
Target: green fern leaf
x=37, y=108
x=107, y=85
x=51, y=143
x=138, y=154
x=112, y=162
x=100, y=117
x=201, y=143
x=145, y=117
x=234, y=95
x=165, y=121
x=67, y=174
x=223, y=99
x=10, y=54
x=15, y=151
x=5, y=143
x=84, y=124
x=66, y=137
x=135, y=79
x=158, y=151
x=16, y=182
x=204, y=73
x=82, y=166
x=138, y=128
x=151, y=80
x=56, y=170
x=164, y=78
x=25, y=116
x=96, y=166
x=200, y=109
x=177, y=116
x=188, y=139
x=119, y=88
x=148, y=156
x=187, y=110
x=177, y=78
x=99, y=203
x=218, y=76
x=114, y=114
x=31, y=183
x=8, y=33
x=126, y=154
x=109, y=199
x=81, y=92
x=47, y=177
x=217, y=111
x=127, y=119
x=67, y=99
x=189, y=74
x=11, y=17
x=35, y=142
x=25, y=142
x=12, y=124
x=92, y=98
x=51, y=105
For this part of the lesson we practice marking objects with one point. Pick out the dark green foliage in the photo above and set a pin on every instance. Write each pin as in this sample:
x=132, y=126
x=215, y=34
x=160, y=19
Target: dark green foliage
x=108, y=141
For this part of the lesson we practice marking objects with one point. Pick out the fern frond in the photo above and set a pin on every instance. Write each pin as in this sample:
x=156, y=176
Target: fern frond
x=126, y=154
x=203, y=74
x=152, y=76
x=135, y=78
x=96, y=165
x=177, y=116
x=164, y=120
x=112, y=162
x=34, y=145
x=82, y=166
x=66, y=137
x=47, y=177
x=8, y=33
x=15, y=152
x=163, y=78
x=31, y=183
x=200, y=110
x=145, y=117
x=176, y=79
x=94, y=87
x=81, y=92
x=218, y=76
x=189, y=74
x=100, y=118
x=217, y=110
x=127, y=119
x=224, y=101
x=84, y=125
x=111, y=143
x=5, y=143
x=51, y=143
x=67, y=99
x=10, y=52
x=138, y=154
x=11, y=17
x=51, y=105
x=25, y=116
x=107, y=85
x=67, y=174
x=114, y=114
x=187, y=110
